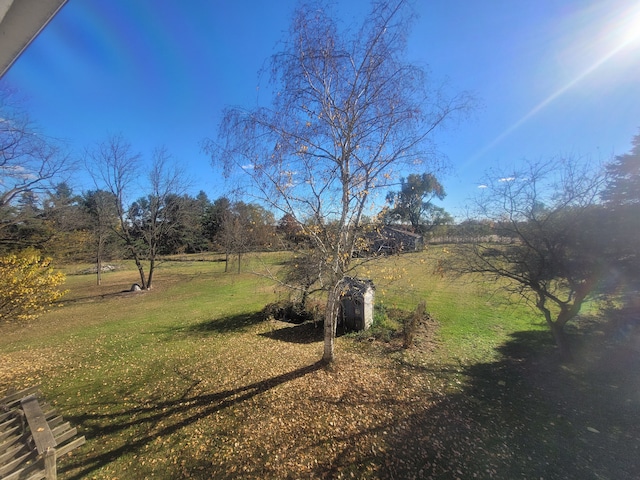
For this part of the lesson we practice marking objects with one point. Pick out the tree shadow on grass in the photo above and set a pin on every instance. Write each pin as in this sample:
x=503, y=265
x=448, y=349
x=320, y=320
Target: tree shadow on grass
x=117, y=292
x=229, y=324
x=523, y=416
x=304, y=333
x=162, y=419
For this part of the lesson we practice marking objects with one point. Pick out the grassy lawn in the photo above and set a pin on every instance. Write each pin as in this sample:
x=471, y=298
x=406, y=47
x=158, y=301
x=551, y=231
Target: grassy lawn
x=188, y=381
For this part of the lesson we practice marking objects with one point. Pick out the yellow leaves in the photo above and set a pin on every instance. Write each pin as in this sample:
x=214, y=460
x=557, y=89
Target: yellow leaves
x=28, y=285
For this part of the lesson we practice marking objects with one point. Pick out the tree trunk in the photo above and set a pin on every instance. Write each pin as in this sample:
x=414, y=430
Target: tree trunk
x=99, y=270
x=239, y=259
x=143, y=283
x=331, y=322
x=152, y=264
x=99, y=261
x=562, y=341
x=557, y=326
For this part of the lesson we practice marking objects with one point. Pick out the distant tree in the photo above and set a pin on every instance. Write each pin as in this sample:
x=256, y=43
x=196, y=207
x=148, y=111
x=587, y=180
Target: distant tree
x=550, y=209
x=177, y=214
x=68, y=225
x=214, y=217
x=260, y=225
x=474, y=229
x=200, y=241
x=29, y=161
x=100, y=207
x=141, y=226
x=30, y=164
x=22, y=224
x=28, y=204
x=623, y=178
x=413, y=203
x=347, y=111
x=245, y=227
x=290, y=230
x=621, y=220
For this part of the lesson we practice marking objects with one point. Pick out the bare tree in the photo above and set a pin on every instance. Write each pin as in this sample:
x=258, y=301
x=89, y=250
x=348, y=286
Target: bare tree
x=30, y=162
x=114, y=166
x=100, y=206
x=150, y=217
x=347, y=113
x=549, y=214
x=244, y=227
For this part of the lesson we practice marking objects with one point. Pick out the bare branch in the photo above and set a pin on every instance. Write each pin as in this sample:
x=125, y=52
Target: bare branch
x=347, y=112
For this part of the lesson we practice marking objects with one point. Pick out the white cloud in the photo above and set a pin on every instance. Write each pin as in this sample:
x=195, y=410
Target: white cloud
x=482, y=186
x=248, y=166
x=507, y=179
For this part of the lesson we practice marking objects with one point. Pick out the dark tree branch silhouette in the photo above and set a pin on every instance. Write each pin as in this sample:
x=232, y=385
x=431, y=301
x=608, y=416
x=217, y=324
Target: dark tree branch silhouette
x=545, y=246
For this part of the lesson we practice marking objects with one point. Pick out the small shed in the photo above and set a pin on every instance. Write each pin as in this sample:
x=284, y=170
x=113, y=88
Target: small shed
x=388, y=240
x=356, y=305
x=395, y=240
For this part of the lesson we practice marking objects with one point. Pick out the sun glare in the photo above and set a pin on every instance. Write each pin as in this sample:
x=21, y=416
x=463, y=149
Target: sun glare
x=618, y=34
x=610, y=37
x=629, y=26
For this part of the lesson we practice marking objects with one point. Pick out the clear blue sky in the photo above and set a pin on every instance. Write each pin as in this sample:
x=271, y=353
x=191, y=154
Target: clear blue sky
x=554, y=77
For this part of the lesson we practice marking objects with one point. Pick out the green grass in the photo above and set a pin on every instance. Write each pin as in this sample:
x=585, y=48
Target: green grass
x=473, y=318
x=188, y=381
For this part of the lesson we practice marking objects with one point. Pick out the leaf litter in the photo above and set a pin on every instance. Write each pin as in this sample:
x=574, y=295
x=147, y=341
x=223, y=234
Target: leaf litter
x=243, y=405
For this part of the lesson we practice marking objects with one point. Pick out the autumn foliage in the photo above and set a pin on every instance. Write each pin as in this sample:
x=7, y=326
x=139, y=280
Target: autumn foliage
x=28, y=286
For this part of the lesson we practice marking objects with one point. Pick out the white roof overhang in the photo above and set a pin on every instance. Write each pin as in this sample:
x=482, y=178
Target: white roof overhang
x=20, y=22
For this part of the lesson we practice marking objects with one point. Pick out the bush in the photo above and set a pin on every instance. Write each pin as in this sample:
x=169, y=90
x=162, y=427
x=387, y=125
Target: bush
x=385, y=325
x=410, y=324
x=28, y=286
x=293, y=312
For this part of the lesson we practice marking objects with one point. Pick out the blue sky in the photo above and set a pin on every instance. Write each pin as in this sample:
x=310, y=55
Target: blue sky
x=554, y=77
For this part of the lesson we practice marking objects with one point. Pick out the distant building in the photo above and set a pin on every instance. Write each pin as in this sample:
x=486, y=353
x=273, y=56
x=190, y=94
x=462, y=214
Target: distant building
x=390, y=240
x=356, y=305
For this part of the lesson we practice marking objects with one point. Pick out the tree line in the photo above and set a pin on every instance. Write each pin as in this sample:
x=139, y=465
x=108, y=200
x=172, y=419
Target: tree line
x=99, y=225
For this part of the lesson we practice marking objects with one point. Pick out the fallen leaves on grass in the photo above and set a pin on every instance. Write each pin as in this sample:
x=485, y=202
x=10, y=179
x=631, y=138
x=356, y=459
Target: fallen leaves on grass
x=244, y=404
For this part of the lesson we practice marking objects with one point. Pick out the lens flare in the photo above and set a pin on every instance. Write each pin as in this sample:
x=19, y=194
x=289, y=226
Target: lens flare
x=619, y=33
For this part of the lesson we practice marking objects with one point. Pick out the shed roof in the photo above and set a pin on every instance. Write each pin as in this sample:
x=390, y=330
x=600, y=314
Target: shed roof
x=358, y=285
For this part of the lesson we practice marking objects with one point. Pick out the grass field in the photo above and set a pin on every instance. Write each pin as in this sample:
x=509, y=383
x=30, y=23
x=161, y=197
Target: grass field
x=189, y=381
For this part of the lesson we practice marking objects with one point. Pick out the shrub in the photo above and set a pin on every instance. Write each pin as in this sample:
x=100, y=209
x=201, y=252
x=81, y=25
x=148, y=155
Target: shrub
x=410, y=324
x=293, y=312
x=385, y=325
x=28, y=286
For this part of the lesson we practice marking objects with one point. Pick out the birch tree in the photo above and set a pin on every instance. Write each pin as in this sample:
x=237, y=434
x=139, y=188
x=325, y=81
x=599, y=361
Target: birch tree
x=347, y=113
